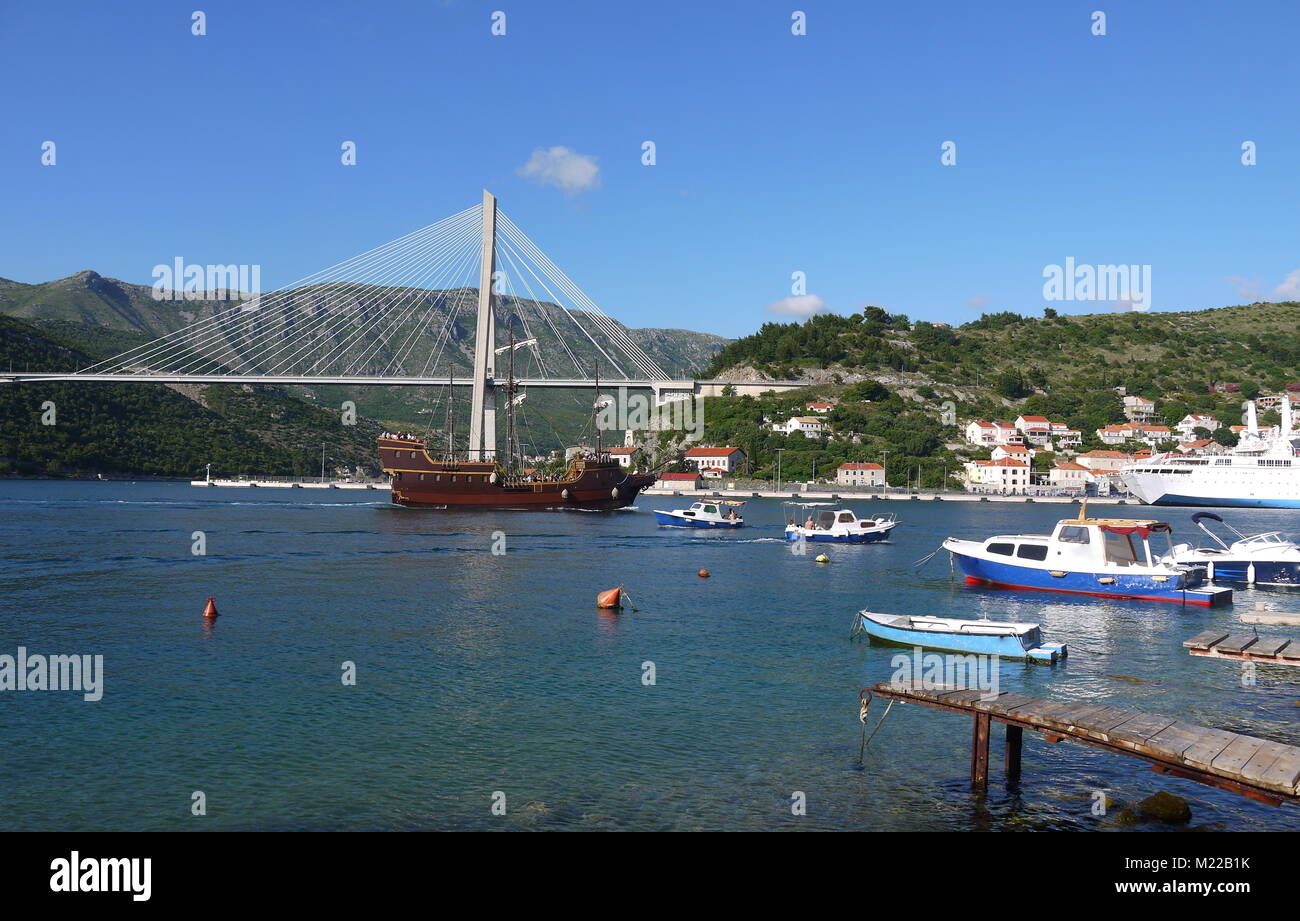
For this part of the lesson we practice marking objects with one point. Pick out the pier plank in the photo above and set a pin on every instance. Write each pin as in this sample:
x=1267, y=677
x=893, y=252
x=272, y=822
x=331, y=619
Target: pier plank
x=1290, y=652
x=1233, y=759
x=1284, y=772
x=1208, y=747
x=1268, y=646
x=1256, y=769
x=1238, y=642
x=1176, y=739
x=1205, y=639
x=1140, y=728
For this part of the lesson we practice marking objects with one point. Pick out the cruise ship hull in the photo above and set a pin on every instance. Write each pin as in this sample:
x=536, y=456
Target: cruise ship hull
x=1238, y=486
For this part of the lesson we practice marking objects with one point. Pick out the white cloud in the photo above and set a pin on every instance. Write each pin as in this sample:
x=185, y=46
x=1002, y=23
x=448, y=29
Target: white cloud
x=563, y=168
x=978, y=302
x=803, y=305
x=1289, y=290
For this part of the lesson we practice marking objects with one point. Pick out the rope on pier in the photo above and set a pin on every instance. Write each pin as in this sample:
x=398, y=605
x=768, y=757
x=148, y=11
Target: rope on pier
x=862, y=718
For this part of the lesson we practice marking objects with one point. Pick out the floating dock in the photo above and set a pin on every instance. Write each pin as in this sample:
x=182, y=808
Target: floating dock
x=1245, y=647
x=1256, y=768
x=290, y=484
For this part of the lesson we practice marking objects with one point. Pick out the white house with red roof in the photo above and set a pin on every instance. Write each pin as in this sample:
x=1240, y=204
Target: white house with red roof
x=625, y=455
x=1188, y=425
x=811, y=426
x=1036, y=429
x=1099, y=461
x=1015, y=452
x=1004, y=476
x=679, y=481
x=854, y=474
x=819, y=407
x=728, y=460
x=1069, y=475
x=983, y=433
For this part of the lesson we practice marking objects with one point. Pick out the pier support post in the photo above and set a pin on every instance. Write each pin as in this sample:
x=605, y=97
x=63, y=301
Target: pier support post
x=979, y=753
x=1015, y=735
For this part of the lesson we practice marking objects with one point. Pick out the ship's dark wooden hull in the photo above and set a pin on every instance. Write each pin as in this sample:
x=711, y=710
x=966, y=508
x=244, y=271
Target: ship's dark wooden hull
x=420, y=481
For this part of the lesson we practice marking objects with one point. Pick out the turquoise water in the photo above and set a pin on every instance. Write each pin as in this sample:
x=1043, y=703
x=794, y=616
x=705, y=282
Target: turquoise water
x=479, y=673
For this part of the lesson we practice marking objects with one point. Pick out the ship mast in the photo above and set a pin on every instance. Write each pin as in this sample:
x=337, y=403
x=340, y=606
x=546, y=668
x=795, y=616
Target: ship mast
x=451, y=418
x=595, y=410
x=510, y=407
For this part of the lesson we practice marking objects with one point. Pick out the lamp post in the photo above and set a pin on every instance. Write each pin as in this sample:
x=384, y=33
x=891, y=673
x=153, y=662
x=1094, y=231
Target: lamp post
x=885, y=464
x=778, y=468
x=322, y=462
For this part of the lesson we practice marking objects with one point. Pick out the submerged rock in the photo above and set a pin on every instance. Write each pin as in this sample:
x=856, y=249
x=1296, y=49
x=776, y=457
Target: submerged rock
x=1165, y=807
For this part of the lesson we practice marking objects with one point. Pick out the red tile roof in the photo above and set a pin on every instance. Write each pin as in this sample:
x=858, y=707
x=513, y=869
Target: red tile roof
x=679, y=476
x=712, y=452
x=860, y=467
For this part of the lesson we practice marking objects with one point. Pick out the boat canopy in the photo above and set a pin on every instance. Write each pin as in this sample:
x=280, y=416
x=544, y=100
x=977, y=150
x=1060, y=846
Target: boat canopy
x=1143, y=528
x=736, y=502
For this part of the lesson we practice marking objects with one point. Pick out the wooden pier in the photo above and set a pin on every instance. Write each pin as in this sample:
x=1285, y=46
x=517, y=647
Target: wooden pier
x=1256, y=768
x=1245, y=647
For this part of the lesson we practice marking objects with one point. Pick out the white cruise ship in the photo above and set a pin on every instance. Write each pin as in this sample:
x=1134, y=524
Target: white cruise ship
x=1262, y=471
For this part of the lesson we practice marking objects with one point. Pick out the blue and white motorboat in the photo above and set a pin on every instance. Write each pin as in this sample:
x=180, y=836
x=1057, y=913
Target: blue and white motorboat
x=828, y=522
x=1257, y=559
x=1106, y=557
x=949, y=634
x=708, y=513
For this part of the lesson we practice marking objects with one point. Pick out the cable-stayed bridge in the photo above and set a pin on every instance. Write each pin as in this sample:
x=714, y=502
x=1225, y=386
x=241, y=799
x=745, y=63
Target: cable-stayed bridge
x=422, y=310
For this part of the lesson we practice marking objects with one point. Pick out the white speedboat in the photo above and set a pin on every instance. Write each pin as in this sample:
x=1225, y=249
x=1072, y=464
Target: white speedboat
x=1257, y=559
x=826, y=522
x=706, y=514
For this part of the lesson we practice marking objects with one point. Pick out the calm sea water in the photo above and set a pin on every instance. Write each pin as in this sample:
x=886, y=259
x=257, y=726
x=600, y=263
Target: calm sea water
x=479, y=673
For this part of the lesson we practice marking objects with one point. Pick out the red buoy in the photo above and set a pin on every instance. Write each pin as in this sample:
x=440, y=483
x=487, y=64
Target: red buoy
x=610, y=599
x=210, y=611
x=704, y=573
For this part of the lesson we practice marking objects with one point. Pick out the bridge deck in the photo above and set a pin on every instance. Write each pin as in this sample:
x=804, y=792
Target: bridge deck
x=1257, y=768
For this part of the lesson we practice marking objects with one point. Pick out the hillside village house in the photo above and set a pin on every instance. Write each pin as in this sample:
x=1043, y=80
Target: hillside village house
x=626, y=455
x=819, y=407
x=1139, y=409
x=993, y=433
x=1103, y=461
x=1002, y=476
x=1065, y=436
x=1070, y=476
x=728, y=460
x=860, y=475
x=1188, y=425
x=1015, y=452
x=1202, y=446
x=1134, y=431
x=679, y=481
x=1036, y=429
x=809, y=425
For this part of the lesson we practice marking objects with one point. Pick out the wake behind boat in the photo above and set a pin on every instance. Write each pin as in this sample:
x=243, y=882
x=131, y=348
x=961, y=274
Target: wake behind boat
x=1106, y=557
x=706, y=514
x=1257, y=559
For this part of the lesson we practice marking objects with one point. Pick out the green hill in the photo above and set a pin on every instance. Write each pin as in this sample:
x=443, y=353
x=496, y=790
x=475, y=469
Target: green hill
x=148, y=429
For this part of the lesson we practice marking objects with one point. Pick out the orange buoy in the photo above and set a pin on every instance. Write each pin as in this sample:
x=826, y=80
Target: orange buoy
x=210, y=611
x=704, y=573
x=610, y=599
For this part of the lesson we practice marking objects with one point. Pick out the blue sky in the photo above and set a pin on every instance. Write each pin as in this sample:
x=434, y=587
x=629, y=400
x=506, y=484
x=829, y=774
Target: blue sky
x=776, y=153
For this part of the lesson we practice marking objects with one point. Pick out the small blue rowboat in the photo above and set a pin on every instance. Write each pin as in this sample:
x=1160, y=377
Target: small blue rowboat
x=980, y=637
x=706, y=514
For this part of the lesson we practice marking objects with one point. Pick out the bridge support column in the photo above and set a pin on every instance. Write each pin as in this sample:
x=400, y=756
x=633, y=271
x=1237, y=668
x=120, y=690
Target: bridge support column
x=483, y=411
